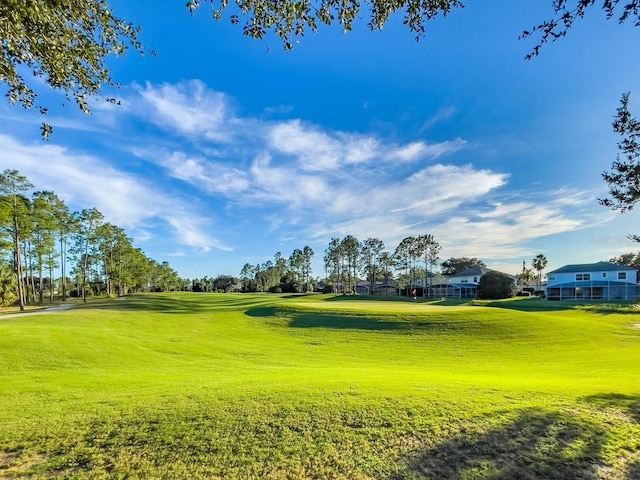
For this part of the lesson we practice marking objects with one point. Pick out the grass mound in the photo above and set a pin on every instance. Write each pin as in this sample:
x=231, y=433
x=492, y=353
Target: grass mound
x=260, y=386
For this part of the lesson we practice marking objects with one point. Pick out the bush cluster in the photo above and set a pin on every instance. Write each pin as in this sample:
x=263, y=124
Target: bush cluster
x=495, y=285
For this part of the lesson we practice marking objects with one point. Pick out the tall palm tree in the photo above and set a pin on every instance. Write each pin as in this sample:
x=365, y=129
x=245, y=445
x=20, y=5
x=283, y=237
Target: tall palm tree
x=539, y=263
x=525, y=277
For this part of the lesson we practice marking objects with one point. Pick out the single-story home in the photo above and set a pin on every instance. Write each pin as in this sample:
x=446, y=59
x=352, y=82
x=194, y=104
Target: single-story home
x=387, y=286
x=363, y=287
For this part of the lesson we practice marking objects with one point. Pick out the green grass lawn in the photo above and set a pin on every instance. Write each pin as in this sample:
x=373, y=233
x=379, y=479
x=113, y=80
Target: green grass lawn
x=263, y=386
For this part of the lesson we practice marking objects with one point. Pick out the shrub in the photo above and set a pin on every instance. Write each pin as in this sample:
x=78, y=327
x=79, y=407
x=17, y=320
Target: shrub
x=495, y=285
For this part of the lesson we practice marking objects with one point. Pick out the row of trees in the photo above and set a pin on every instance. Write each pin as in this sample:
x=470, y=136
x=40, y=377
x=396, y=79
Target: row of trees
x=631, y=259
x=281, y=274
x=538, y=264
x=414, y=257
x=39, y=235
x=347, y=260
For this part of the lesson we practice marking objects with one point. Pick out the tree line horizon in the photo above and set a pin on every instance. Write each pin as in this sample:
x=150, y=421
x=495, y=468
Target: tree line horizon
x=294, y=274
x=412, y=263
x=39, y=234
x=86, y=33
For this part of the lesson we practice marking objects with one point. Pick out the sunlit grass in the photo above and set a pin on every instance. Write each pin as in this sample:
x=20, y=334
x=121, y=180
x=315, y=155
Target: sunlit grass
x=261, y=386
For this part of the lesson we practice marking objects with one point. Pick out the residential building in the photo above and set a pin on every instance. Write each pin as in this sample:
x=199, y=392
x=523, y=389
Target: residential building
x=387, y=286
x=461, y=285
x=593, y=281
x=363, y=287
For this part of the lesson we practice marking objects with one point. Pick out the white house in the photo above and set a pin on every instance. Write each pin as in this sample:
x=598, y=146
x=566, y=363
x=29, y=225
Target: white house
x=593, y=281
x=470, y=276
x=462, y=284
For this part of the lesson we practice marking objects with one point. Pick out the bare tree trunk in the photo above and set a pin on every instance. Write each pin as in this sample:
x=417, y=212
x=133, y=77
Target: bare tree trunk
x=85, y=266
x=41, y=292
x=18, y=268
x=63, y=264
x=29, y=280
x=51, y=283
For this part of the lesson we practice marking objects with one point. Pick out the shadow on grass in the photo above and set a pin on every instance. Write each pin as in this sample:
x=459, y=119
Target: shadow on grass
x=396, y=298
x=298, y=319
x=350, y=321
x=353, y=322
x=633, y=470
x=542, y=305
x=538, y=444
x=299, y=295
x=529, y=305
x=628, y=404
x=194, y=303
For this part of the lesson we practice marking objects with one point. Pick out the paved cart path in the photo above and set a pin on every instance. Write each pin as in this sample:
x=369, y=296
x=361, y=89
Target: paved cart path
x=44, y=311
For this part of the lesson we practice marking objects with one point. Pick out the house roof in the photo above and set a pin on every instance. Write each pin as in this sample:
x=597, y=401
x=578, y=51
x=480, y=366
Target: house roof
x=592, y=267
x=473, y=271
x=476, y=271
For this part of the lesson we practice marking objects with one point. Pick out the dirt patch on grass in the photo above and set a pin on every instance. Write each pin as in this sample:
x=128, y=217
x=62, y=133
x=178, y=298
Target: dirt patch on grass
x=18, y=465
x=15, y=465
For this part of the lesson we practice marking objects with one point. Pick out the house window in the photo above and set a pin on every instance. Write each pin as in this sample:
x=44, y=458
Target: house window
x=583, y=276
x=622, y=275
x=464, y=280
x=604, y=274
x=551, y=278
x=475, y=279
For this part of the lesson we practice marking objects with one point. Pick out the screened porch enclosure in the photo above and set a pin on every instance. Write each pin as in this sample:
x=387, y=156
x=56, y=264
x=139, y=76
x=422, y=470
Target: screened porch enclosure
x=593, y=291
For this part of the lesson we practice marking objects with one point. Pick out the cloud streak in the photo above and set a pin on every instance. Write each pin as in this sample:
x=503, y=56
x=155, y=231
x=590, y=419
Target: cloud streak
x=291, y=180
x=187, y=108
x=85, y=181
x=338, y=183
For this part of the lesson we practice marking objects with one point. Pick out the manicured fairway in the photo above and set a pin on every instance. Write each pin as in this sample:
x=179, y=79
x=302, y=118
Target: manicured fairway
x=260, y=386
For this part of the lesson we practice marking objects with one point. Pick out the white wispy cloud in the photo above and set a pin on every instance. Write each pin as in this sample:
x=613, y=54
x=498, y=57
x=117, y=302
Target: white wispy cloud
x=210, y=176
x=316, y=149
x=187, y=108
x=319, y=150
x=86, y=181
x=307, y=182
x=441, y=115
x=506, y=229
x=334, y=183
x=431, y=151
x=284, y=185
x=444, y=187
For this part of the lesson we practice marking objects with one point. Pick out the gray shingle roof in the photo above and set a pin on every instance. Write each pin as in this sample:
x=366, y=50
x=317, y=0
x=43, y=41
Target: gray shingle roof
x=592, y=267
x=472, y=272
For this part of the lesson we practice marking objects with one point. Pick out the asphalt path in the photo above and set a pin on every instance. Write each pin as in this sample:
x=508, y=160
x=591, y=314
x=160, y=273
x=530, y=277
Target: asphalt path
x=44, y=311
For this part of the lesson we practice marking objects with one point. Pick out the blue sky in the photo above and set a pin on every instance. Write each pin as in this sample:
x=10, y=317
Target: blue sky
x=226, y=149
